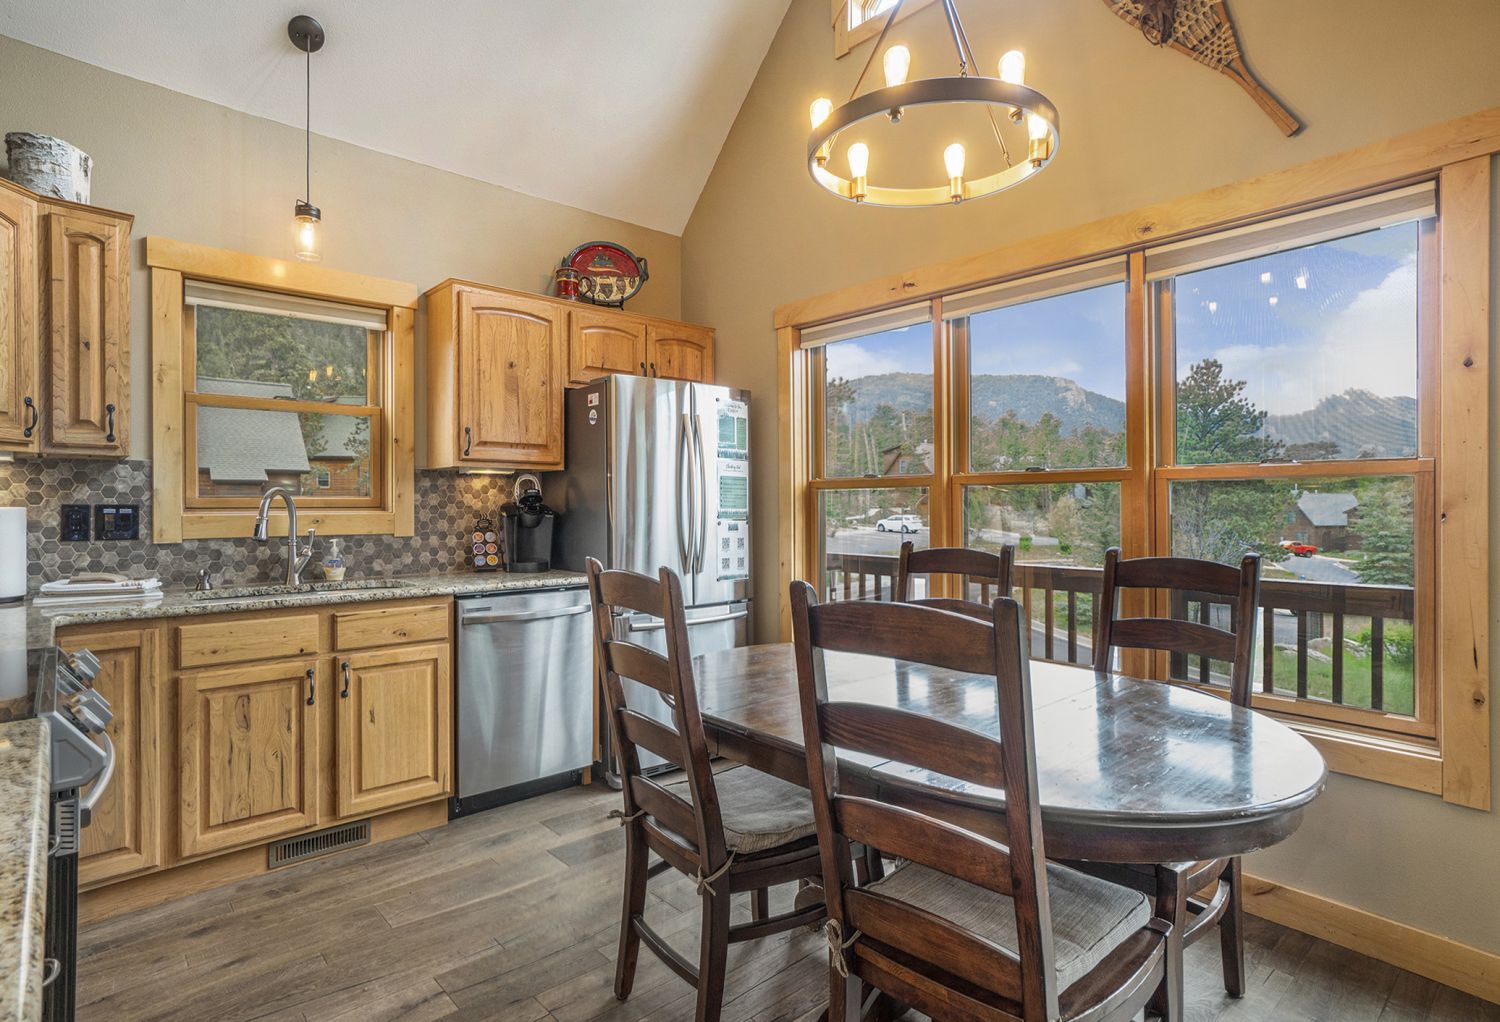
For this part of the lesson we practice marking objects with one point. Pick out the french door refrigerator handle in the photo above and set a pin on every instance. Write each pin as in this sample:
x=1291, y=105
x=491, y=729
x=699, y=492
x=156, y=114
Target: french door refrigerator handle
x=701, y=473
x=686, y=472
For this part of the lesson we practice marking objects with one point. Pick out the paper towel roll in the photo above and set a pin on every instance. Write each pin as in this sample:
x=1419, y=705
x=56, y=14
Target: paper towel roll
x=12, y=553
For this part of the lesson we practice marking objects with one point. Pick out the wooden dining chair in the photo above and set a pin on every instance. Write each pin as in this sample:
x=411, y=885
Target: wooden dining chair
x=971, y=926
x=737, y=830
x=1194, y=895
x=991, y=571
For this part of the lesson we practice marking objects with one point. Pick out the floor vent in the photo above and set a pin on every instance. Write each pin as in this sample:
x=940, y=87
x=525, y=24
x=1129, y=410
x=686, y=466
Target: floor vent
x=310, y=846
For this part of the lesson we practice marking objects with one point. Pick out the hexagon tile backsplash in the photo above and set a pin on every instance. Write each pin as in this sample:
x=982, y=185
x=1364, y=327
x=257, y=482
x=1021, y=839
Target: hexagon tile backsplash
x=446, y=506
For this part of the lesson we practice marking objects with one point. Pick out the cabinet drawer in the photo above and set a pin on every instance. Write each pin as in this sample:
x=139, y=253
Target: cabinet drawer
x=272, y=637
x=389, y=626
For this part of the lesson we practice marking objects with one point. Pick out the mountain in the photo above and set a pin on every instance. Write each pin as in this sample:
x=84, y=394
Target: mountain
x=1360, y=423
x=1028, y=396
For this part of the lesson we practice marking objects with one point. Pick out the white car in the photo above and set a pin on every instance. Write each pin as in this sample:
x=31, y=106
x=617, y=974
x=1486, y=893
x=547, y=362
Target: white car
x=900, y=523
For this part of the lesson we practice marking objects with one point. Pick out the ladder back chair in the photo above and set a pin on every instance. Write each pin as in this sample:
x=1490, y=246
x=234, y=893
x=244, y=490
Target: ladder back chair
x=970, y=926
x=992, y=572
x=738, y=830
x=1194, y=895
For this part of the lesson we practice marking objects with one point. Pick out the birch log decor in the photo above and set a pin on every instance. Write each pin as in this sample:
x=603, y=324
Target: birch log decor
x=48, y=166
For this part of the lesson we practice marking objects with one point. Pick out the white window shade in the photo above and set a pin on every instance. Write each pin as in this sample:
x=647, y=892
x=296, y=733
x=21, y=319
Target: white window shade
x=272, y=303
x=1414, y=202
x=1035, y=288
x=864, y=326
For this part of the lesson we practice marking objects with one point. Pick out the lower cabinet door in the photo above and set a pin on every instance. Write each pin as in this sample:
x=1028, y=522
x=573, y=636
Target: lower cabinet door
x=395, y=728
x=248, y=753
x=124, y=832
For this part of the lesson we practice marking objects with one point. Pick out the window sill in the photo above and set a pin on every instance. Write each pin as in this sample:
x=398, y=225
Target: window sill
x=846, y=39
x=1404, y=762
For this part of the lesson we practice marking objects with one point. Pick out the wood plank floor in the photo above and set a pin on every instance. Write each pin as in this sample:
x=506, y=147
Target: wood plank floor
x=512, y=915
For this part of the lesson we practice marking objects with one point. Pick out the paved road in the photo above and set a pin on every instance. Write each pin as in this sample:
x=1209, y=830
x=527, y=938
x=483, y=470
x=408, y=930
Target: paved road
x=869, y=541
x=1318, y=568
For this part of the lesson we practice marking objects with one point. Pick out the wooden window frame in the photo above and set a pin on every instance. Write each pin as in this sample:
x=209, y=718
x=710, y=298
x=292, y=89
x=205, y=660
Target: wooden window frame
x=1454, y=759
x=178, y=513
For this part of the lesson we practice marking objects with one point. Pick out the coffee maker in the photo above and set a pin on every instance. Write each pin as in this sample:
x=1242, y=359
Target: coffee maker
x=526, y=524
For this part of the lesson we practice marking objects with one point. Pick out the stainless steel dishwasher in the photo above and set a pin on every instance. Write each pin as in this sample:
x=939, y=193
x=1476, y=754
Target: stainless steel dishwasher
x=525, y=694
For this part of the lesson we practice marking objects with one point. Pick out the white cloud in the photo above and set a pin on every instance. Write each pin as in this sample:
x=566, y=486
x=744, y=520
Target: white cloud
x=850, y=361
x=1370, y=345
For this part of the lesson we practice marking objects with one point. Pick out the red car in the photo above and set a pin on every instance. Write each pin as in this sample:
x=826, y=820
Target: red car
x=1297, y=549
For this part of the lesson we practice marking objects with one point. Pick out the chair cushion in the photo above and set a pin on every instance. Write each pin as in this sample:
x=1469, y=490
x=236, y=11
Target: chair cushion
x=1090, y=917
x=760, y=812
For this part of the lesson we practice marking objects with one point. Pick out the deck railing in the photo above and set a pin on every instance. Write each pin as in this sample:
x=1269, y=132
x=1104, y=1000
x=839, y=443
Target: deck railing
x=1059, y=600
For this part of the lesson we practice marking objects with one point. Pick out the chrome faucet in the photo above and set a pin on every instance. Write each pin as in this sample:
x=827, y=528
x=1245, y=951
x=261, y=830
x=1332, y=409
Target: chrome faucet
x=295, y=560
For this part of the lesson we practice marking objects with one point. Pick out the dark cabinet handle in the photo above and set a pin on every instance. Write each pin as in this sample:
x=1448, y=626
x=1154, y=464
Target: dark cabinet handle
x=468, y=441
x=345, y=693
x=36, y=416
x=312, y=686
x=643, y=369
x=653, y=368
x=109, y=437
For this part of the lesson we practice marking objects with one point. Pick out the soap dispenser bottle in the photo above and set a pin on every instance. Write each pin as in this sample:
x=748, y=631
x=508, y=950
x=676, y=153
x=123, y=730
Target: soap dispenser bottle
x=333, y=564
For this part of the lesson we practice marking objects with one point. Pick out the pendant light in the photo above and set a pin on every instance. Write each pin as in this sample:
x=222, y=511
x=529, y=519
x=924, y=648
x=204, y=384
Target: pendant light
x=307, y=35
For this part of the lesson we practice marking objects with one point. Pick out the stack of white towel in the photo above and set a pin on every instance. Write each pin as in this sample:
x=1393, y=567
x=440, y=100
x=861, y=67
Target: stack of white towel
x=94, y=588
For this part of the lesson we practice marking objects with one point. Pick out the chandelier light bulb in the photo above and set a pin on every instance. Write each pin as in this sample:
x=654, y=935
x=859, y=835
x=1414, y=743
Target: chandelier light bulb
x=859, y=166
x=897, y=64
x=819, y=111
x=953, y=161
x=1039, y=148
x=1013, y=67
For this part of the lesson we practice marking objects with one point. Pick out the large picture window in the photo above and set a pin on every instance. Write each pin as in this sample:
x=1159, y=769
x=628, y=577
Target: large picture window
x=1270, y=388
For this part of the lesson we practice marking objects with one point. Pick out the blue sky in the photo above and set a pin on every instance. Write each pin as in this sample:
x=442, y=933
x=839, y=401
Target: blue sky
x=1343, y=316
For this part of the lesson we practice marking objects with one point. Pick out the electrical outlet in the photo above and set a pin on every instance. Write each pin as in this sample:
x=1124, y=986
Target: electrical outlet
x=75, y=523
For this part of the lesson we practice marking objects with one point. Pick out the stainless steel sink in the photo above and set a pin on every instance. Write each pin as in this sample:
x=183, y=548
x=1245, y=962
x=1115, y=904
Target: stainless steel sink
x=306, y=591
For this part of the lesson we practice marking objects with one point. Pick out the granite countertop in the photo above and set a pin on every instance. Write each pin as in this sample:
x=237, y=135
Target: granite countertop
x=29, y=626
x=25, y=794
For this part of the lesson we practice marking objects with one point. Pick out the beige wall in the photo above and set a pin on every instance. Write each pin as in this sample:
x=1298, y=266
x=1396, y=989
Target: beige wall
x=203, y=173
x=1139, y=126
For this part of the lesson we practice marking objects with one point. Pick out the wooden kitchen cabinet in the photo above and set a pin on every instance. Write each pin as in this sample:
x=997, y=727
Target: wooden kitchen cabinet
x=64, y=326
x=678, y=351
x=87, y=327
x=601, y=342
x=124, y=834
x=496, y=372
x=247, y=753
x=394, y=734
x=20, y=361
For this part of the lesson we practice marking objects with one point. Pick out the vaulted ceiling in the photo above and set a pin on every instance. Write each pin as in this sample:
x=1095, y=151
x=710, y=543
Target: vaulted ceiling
x=614, y=106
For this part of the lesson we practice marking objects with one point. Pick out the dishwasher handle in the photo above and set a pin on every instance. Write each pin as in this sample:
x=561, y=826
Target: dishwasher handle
x=525, y=615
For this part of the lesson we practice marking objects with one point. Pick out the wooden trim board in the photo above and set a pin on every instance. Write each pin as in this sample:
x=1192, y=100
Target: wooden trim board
x=1462, y=966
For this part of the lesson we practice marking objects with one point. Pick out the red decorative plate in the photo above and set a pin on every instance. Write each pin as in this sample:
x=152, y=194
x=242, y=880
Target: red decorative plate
x=608, y=274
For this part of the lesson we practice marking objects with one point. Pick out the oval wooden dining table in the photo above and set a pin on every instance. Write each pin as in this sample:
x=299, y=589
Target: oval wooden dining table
x=1129, y=770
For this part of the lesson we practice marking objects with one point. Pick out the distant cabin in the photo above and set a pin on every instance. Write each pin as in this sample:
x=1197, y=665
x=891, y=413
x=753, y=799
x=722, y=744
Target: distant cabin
x=1322, y=519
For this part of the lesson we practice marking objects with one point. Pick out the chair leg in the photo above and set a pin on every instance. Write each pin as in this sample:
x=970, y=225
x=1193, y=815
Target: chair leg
x=1232, y=931
x=1171, y=904
x=713, y=954
x=760, y=904
x=636, y=857
x=845, y=997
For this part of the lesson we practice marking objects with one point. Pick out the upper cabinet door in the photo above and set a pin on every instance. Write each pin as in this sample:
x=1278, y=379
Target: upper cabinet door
x=20, y=398
x=510, y=381
x=681, y=352
x=601, y=343
x=88, y=324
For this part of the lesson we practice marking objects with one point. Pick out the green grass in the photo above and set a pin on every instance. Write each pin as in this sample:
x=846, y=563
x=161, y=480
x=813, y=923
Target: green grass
x=1396, y=677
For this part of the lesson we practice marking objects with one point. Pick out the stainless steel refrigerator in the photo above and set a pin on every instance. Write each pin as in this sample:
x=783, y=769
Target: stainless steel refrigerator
x=659, y=475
